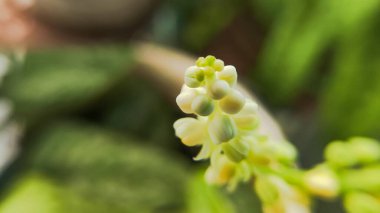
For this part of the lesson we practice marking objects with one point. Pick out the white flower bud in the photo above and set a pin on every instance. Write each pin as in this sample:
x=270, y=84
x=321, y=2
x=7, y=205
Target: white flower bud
x=184, y=101
x=190, y=130
x=247, y=118
x=202, y=105
x=194, y=76
x=322, y=181
x=219, y=89
x=221, y=129
x=228, y=74
x=233, y=102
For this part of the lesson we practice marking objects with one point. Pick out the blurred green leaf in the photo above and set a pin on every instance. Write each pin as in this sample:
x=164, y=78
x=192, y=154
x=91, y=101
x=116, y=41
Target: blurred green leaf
x=57, y=80
x=107, y=168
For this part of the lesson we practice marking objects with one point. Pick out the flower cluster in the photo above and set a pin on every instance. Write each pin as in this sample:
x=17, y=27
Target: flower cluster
x=226, y=128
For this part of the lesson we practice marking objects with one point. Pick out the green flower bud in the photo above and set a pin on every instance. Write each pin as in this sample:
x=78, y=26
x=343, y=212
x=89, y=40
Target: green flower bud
x=266, y=190
x=237, y=149
x=184, y=101
x=232, y=154
x=210, y=60
x=322, y=181
x=202, y=105
x=339, y=154
x=194, y=77
x=364, y=179
x=233, y=102
x=358, y=202
x=190, y=130
x=201, y=62
x=365, y=150
x=247, y=118
x=208, y=72
x=228, y=74
x=218, y=65
x=283, y=151
x=221, y=129
x=219, y=89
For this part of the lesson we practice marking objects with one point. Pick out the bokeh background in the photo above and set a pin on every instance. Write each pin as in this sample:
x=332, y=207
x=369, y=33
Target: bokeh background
x=86, y=119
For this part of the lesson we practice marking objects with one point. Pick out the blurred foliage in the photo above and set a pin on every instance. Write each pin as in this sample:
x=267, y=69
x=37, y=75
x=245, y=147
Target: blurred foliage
x=53, y=81
x=329, y=49
x=105, y=169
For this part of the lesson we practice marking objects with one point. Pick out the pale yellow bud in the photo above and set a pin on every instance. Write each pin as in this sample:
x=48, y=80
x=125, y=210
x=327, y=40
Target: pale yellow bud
x=233, y=102
x=218, y=65
x=194, y=76
x=322, y=181
x=282, y=197
x=219, y=89
x=221, y=129
x=266, y=190
x=202, y=105
x=190, y=130
x=228, y=74
x=201, y=61
x=247, y=118
x=222, y=172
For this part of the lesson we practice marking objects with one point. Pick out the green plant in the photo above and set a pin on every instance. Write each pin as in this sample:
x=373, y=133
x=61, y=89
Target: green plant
x=226, y=127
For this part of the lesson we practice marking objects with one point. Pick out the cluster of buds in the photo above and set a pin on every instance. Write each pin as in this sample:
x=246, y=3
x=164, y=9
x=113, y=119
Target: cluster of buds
x=224, y=121
x=225, y=125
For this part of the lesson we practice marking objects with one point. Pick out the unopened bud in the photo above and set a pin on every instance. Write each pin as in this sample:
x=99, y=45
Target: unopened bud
x=194, y=77
x=218, y=65
x=266, y=190
x=233, y=102
x=236, y=150
x=209, y=60
x=222, y=172
x=340, y=154
x=284, y=151
x=359, y=202
x=364, y=179
x=221, y=129
x=228, y=74
x=184, y=101
x=322, y=181
x=190, y=130
x=202, y=105
x=247, y=118
x=219, y=89
x=366, y=150
x=201, y=62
